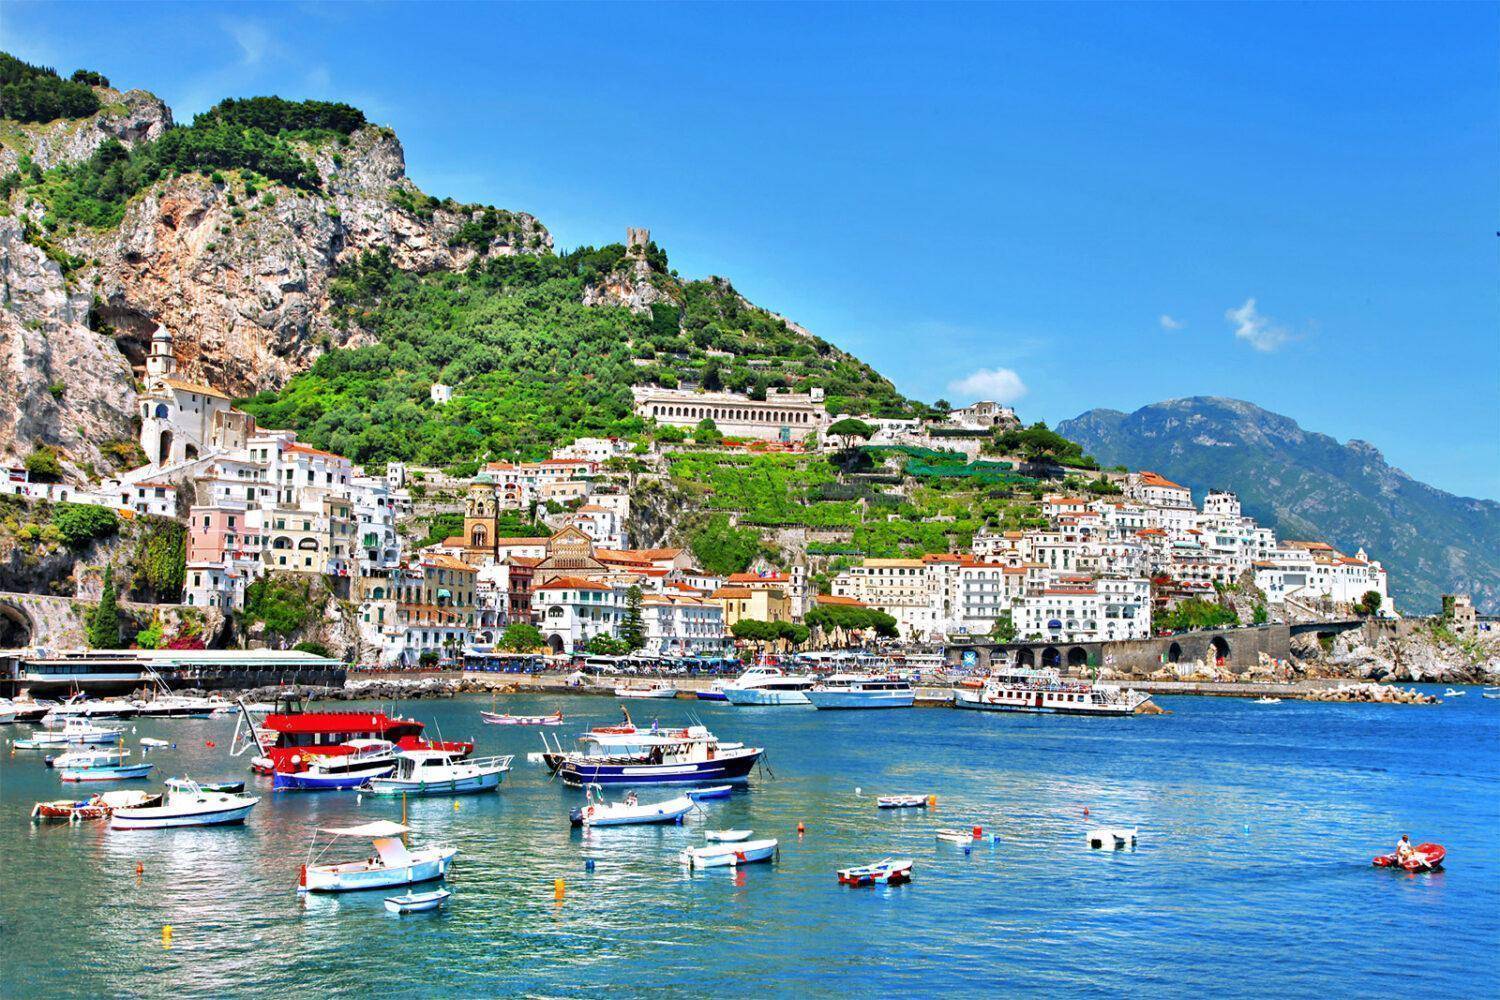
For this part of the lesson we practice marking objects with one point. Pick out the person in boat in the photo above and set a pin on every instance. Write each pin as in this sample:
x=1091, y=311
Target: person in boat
x=1404, y=849
x=656, y=755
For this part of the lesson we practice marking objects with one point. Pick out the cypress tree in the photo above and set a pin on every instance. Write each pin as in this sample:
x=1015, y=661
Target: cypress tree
x=103, y=626
x=633, y=627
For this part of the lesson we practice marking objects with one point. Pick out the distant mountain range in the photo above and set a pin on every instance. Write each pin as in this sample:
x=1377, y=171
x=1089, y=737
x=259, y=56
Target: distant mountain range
x=1308, y=485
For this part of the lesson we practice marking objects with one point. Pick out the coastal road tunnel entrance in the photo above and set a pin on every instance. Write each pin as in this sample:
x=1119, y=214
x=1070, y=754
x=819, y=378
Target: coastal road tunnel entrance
x=1220, y=649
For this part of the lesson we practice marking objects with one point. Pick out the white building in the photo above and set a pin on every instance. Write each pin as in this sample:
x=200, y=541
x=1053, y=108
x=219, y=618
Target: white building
x=781, y=416
x=902, y=588
x=571, y=610
x=678, y=625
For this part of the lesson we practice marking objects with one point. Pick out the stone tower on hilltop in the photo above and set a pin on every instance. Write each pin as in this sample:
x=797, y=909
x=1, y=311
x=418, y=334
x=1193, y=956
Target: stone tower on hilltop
x=636, y=239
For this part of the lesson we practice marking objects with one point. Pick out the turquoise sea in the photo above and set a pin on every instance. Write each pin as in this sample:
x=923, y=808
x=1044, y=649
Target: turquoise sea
x=1252, y=877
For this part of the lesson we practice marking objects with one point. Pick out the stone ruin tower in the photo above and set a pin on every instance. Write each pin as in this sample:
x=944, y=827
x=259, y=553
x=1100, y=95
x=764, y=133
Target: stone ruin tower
x=636, y=240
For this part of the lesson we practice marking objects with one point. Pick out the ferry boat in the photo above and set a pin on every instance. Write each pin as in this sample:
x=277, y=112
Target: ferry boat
x=291, y=738
x=768, y=686
x=861, y=691
x=1045, y=691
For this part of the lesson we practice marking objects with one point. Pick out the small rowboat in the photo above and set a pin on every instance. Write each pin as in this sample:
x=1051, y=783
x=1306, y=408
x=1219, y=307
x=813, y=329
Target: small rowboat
x=1452, y=693
x=496, y=719
x=95, y=807
x=732, y=855
x=1423, y=858
x=886, y=871
x=903, y=802
x=417, y=902
x=956, y=836
x=711, y=792
x=151, y=741
x=726, y=836
x=1268, y=700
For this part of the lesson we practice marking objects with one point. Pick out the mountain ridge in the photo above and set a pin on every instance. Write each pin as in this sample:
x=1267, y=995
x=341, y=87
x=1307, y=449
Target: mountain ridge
x=1305, y=483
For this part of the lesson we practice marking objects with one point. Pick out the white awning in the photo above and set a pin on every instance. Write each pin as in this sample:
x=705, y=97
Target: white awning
x=379, y=828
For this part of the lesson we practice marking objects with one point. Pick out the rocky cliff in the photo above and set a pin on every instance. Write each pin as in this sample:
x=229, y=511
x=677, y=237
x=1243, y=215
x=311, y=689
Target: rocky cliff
x=239, y=273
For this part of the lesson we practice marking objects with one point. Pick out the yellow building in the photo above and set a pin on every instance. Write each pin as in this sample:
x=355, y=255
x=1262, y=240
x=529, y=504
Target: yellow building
x=756, y=604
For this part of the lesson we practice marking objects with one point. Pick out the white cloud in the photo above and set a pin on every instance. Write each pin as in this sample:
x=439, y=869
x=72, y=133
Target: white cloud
x=1261, y=332
x=252, y=38
x=998, y=384
x=1168, y=323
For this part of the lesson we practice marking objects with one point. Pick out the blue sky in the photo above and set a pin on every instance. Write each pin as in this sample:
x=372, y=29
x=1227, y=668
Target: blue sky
x=1069, y=206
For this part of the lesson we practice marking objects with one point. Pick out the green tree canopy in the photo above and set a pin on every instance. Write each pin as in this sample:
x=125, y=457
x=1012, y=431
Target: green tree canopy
x=103, y=626
x=722, y=549
x=521, y=637
x=633, y=625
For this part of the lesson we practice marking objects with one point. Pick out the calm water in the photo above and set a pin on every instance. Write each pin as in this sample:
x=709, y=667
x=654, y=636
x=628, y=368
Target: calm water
x=1252, y=877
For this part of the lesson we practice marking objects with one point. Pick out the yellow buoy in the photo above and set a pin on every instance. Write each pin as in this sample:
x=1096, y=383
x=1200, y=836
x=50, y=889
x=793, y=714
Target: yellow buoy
x=166, y=935
x=455, y=805
x=559, y=889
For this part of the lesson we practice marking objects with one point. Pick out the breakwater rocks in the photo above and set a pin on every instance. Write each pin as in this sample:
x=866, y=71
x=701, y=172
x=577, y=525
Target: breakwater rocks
x=1382, y=694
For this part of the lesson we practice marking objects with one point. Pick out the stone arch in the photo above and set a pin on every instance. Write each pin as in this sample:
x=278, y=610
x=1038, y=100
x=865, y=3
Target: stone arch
x=1078, y=657
x=1174, y=653
x=478, y=538
x=1025, y=658
x=555, y=642
x=164, y=448
x=17, y=627
x=1051, y=657
x=1219, y=648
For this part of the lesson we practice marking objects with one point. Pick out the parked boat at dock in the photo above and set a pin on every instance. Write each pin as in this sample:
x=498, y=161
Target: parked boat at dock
x=392, y=864
x=762, y=685
x=852, y=691
x=656, y=689
x=1045, y=691
x=186, y=803
x=438, y=772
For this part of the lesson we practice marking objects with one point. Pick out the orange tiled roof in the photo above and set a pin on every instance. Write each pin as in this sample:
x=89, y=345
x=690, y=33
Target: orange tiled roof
x=1155, y=479
x=571, y=583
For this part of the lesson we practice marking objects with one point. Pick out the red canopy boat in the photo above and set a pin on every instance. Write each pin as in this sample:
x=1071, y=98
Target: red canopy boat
x=290, y=738
x=1423, y=858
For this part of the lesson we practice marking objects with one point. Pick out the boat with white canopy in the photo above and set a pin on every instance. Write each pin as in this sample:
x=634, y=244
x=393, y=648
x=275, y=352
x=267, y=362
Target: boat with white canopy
x=74, y=732
x=862, y=691
x=392, y=863
x=768, y=686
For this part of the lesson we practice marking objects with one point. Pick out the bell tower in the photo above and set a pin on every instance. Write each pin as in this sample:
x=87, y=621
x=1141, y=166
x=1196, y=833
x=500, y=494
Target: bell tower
x=159, y=363
x=479, y=517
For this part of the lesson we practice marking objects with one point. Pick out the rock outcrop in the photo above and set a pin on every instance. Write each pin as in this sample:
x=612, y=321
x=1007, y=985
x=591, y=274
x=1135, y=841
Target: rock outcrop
x=132, y=117
x=242, y=281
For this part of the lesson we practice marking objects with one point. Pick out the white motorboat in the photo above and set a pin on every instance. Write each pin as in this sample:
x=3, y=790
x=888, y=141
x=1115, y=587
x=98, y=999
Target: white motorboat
x=80, y=707
x=953, y=836
x=1112, y=838
x=656, y=689
x=417, y=902
x=440, y=772
x=31, y=710
x=1021, y=689
x=166, y=705
x=7, y=712
x=762, y=685
x=628, y=811
x=1451, y=693
x=726, y=836
x=150, y=743
x=186, y=804
x=1267, y=700
x=861, y=691
x=719, y=855
x=392, y=864
x=73, y=732
x=106, y=772
x=103, y=757
x=904, y=801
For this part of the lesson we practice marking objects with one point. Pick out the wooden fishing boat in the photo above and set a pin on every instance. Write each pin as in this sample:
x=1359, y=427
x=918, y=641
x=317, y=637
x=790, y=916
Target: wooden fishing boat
x=417, y=902
x=496, y=719
x=628, y=812
x=886, y=871
x=731, y=855
x=94, y=807
x=185, y=804
x=391, y=865
x=437, y=772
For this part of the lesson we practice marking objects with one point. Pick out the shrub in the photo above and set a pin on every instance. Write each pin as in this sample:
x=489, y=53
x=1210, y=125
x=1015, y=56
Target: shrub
x=283, y=604
x=43, y=465
x=315, y=648
x=80, y=523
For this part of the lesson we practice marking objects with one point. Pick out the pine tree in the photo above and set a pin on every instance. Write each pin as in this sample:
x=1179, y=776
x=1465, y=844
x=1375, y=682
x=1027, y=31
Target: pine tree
x=103, y=627
x=633, y=627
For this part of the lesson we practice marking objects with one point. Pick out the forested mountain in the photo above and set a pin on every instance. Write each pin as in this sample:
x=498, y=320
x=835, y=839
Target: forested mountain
x=1308, y=485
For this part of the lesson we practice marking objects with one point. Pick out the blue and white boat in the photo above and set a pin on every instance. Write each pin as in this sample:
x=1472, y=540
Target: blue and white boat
x=120, y=771
x=392, y=864
x=715, y=692
x=696, y=762
x=862, y=691
x=628, y=812
x=768, y=686
x=440, y=772
x=711, y=792
x=368, y=760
